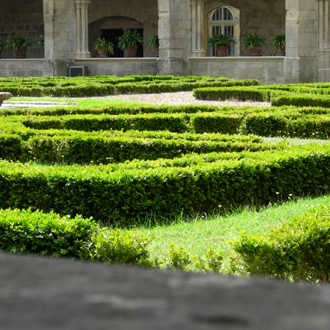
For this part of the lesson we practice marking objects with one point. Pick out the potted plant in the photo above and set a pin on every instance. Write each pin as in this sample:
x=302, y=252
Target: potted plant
x=18, y=44
x=153, y=42
x=279, y=43
x=103, y=47
x=221, y=42
x=2, y=45
x=40, y=42
x=129, y=42
x=254, y=42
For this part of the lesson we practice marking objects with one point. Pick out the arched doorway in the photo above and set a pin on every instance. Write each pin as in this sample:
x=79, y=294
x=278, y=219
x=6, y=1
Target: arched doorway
x=110, y=28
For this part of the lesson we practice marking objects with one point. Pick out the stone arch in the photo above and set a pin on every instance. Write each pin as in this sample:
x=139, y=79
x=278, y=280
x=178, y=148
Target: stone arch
x=111, y=28
x=209, y=10
x=124, y=14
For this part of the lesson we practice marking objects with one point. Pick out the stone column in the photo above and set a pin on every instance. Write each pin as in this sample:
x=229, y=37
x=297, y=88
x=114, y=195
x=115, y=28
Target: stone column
x=300, y=64
x=324, y=42
x=197, y=7
x=82, y=29
x=174, y=30
x=60, y=32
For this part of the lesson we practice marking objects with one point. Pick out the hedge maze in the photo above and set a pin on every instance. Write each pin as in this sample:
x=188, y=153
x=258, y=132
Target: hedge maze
x=121, y=164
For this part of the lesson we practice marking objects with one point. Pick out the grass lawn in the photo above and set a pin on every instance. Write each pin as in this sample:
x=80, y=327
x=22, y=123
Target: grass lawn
x=77, y=102
x=198, y=235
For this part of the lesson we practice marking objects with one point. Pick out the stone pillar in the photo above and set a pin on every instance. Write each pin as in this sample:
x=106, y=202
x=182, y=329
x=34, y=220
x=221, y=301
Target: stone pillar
x=60, y=32
x=197, y=7
x=82, y=29
x=300, y=64
x=324, y=42
x=174, y=30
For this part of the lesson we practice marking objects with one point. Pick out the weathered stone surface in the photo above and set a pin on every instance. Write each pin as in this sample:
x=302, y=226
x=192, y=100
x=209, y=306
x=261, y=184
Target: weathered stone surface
x=4, y=96
x=22, y=17
x=267, y=69
x=38, y=293
x=306, y=23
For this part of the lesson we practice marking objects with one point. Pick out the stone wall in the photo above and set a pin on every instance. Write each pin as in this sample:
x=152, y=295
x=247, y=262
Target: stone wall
x=265, y=17
x=25, y=68
x=22, y=17
x=120, y=66
x=125, y=14
x=267, y=69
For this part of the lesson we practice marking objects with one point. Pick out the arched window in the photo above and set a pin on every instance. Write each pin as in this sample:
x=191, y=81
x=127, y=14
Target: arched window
x=223, y=20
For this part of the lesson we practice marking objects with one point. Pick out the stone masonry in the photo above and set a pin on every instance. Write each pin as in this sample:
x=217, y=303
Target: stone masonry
x=71, y=26
x=39, y=293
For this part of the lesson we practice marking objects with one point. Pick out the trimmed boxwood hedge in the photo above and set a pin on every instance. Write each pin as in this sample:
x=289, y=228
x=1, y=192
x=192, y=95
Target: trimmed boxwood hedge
x=297, y=250
x=123, y=196
x=301, y=100
x=286, y=121
x=24, y=231
x=237, y=93
x=81, y=148
x=104, y=85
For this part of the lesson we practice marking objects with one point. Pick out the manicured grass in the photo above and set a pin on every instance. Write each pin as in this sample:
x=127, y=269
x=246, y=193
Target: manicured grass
x=41, y=99
x=198, y=235
x=77, y=102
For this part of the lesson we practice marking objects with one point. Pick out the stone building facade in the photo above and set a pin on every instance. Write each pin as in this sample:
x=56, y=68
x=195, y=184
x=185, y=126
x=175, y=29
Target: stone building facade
x=70, y=28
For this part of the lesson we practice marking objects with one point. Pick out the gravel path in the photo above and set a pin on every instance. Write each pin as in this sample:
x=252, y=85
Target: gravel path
x=162, y=98
x=179, y=98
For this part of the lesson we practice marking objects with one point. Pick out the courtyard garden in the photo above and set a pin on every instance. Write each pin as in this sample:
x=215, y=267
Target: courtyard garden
x=208, y=188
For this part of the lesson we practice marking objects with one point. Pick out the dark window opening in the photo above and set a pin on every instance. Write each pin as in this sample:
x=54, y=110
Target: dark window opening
x=112, y=36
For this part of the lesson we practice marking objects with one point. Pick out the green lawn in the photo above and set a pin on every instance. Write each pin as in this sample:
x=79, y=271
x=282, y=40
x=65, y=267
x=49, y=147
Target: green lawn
x=197, y=235
x=77, y=102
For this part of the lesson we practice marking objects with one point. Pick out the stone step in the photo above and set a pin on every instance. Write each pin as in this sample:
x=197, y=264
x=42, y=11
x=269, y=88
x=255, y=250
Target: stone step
x=33, y=104
x=39, y=293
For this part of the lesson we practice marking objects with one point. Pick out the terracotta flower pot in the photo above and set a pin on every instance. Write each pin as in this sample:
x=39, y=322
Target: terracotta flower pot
x=20, y=53
x=102, y=53
x=131, y=52
x=222, y=50
x=255, y=51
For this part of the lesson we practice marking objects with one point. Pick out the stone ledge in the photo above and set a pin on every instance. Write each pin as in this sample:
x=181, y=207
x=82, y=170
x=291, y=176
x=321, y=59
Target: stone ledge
x=236, y=58
x=4, y=96
x=23, y=59
x=39, y=293
x=117, y=59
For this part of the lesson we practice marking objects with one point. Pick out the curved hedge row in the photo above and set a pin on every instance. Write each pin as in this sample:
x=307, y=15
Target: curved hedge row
x=24, y=231
x=82, y=148
x=272, y=122
x=278, y=95
x=93, y=86
x=125, y=109
x=297, y=250
x=302, y=100
x=123, y=196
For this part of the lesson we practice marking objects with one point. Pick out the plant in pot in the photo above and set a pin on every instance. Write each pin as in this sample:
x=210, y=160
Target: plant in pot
x=221, y=42
x=40, y=42
x=254, y=42
x=129, y=42
x=18, y=44
x=153, y=42
x=103, y=47
x=279, y=43
x=2, y=45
